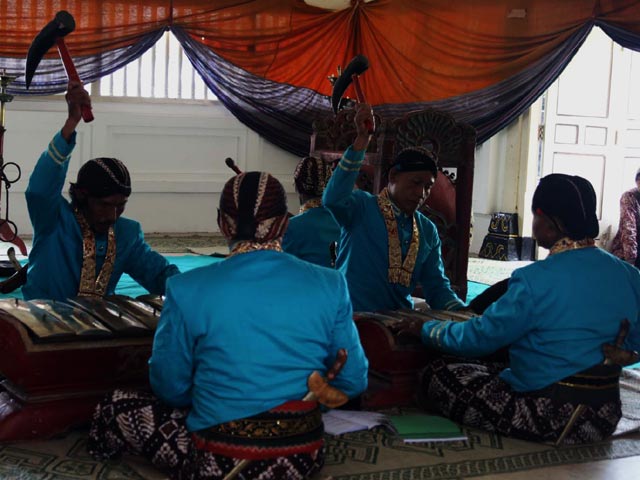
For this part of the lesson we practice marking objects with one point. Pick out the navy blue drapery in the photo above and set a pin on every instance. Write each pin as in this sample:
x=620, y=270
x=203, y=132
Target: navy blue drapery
x=51, y=77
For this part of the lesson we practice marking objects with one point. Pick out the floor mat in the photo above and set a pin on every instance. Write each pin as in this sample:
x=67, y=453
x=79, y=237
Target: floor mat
x=630, y=397
x=374, y=454
x=369, y=455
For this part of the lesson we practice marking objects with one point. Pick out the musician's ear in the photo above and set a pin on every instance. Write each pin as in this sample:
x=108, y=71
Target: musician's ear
x=391, y=175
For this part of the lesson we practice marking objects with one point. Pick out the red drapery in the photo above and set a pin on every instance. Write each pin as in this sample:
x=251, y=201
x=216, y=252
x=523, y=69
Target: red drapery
x=419, y=50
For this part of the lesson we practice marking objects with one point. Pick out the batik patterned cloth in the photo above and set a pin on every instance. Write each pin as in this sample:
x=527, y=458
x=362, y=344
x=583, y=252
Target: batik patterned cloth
x=625, y=243
x=138, y=423
x=258, y=196
x=471, y=392
x=311, y=176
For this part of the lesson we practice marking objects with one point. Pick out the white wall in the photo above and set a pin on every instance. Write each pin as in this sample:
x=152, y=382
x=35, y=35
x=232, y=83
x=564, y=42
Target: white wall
x=176, y=157
x=504, y=179
x=175, y=154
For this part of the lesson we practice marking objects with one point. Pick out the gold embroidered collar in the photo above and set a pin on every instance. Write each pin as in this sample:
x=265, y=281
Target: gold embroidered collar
x=313, y=203
x=399, y=271
x=249, y=246
x=567, y=243
x=90, y=284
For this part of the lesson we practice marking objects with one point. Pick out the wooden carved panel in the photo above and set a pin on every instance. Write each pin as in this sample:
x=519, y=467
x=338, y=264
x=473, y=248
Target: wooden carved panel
x=436, y=131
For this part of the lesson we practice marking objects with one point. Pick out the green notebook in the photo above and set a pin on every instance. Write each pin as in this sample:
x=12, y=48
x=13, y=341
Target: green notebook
x=420, y=427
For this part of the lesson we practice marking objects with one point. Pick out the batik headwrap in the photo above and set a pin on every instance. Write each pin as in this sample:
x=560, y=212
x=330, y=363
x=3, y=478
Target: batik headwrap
x=311, y=176
x=416, y=159
x=571, y=200
x=253, y=207
x=102, y=177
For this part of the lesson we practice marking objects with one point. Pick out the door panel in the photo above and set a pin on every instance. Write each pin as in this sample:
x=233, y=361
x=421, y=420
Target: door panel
x=587, y=123
x=596, y=51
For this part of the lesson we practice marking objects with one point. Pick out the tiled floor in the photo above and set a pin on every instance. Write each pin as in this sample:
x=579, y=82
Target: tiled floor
x=620, y=469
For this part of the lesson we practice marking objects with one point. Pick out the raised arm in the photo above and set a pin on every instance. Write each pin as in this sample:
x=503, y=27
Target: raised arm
x=44, y=191
x=338, y=195
x=76, y=97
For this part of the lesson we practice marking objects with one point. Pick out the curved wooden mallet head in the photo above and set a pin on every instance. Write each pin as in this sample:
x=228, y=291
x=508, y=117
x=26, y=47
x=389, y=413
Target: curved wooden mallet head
x=232, y=165
x=357, y=66
x=54, y=32
x=62, y=25
x=349, y=75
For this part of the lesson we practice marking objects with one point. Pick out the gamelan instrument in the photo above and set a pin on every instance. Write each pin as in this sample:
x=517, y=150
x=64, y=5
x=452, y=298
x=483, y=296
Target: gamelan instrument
x=395, y=356
x=58, y=359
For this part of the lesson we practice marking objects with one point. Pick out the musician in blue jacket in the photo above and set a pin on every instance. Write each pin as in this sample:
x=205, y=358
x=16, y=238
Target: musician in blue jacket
x=232, y=354
x=84, y=246
x=386, y=245
x=313, y=231
x=554, y=317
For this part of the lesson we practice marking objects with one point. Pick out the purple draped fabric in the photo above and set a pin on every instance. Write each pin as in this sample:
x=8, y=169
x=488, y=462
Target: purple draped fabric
x=281, y=113
x=50, y=76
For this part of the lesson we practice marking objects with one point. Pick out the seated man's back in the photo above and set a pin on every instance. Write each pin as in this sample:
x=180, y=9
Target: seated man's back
x=273, y=317
x=241, y=350
x=313, y=231
x=559, y=318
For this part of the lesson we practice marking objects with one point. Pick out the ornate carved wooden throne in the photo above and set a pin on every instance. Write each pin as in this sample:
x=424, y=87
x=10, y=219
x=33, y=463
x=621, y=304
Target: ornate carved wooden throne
x=449, y=205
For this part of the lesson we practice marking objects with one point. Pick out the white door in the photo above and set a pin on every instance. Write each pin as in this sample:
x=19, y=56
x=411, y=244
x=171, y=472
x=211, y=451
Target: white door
x=592, y=125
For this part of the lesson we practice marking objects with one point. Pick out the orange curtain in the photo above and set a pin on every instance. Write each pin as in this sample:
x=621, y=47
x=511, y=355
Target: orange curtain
x=101, y=25
x=419, y=50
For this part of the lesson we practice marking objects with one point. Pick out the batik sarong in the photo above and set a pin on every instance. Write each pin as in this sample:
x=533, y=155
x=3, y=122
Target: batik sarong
x=138, y=423
x=470, y=392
